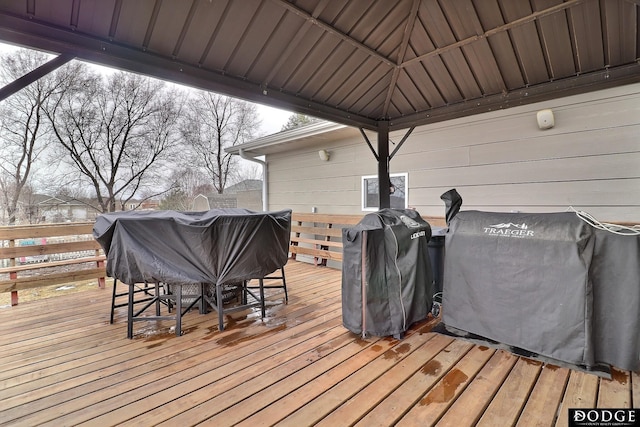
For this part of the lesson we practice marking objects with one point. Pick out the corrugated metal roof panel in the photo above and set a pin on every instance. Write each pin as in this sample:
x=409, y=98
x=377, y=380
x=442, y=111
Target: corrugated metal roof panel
x=357, y=62
x=587, y=37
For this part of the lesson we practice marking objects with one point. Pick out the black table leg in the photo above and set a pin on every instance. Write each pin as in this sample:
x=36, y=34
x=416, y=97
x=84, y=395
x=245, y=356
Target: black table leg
x=179, y=310
x=130, y=313
x=220, y=307
x=262, y=304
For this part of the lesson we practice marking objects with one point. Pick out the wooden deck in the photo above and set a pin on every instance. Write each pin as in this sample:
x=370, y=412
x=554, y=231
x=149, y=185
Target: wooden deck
x=62, y=363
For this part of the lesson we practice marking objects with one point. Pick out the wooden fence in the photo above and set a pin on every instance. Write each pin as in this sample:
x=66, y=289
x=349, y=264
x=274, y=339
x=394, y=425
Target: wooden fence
x=33, y=256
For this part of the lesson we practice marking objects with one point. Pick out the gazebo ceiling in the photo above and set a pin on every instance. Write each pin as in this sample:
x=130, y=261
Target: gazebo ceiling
x=355, y=62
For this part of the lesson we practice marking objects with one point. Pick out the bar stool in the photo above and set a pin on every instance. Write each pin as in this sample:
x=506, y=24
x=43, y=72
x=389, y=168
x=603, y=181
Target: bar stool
x=148, y=289
x=217, y=303
x=261, y=286
x=156, y=294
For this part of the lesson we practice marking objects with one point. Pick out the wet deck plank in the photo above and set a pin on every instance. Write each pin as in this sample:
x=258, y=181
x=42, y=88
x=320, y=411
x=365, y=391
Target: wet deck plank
x=615, y=392
x=409, y=393
x=635, y=393
x=62, y=363
x=506, y=406
x=542, y=405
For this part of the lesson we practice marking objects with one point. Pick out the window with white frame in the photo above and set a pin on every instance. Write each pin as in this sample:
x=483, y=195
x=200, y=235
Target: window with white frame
x=398, y=192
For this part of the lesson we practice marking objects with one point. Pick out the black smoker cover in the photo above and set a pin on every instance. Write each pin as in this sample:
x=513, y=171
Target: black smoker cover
x=387, y=283
x=216, y=246
x=523, y=280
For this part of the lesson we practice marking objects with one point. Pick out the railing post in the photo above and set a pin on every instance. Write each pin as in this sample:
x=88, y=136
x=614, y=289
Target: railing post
x=13, y=274
x=323, y=261
x=100, y=264
x=293, y=255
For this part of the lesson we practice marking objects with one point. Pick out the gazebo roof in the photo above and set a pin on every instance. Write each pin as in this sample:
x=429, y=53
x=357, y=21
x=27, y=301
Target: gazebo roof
x=359, y=63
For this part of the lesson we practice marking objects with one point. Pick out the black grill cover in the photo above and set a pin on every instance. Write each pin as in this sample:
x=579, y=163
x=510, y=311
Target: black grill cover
x=216, y=246
x=522, y=280
x=615, y=272
x=387, y=283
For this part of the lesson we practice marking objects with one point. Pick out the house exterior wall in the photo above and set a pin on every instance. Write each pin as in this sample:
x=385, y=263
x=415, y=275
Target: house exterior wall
x=66, y=213
x=498, y=161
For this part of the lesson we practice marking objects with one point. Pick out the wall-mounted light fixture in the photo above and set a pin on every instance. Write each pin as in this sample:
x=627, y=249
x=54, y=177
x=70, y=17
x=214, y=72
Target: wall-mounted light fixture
x=545, y=119
x=324, y=155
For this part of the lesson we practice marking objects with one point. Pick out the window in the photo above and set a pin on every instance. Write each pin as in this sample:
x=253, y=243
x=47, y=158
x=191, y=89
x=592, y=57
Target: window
x=398, y=197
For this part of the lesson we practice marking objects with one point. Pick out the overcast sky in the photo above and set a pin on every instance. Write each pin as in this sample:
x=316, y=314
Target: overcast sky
x=272, y=119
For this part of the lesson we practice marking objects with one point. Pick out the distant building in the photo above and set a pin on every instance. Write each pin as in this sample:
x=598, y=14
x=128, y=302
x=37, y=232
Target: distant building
x=42, y=208
x=246, y=194
x=141, y=205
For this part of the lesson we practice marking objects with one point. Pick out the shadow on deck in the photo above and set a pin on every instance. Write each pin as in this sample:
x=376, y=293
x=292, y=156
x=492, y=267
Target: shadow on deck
x=62, y=363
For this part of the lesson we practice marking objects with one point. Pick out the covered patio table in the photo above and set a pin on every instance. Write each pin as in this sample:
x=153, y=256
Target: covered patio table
x=214, y=247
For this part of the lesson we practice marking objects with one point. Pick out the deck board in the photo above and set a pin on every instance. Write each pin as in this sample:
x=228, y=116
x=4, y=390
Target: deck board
x=62, y=363
x=434, y=405
x=354, y=409
x=635, y=390
x=470, y=406
x=401, y=400
x=615, y=392
x=339, y=401
x=581, y=392
x=506, y=406
x=541, y=408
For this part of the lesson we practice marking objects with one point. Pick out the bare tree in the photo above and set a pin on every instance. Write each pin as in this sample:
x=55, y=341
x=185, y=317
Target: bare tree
x=186, y=184
x=119, y=134
x=191, y=181
x=214, y=122
x=247, y=171
x=176, y=199
x=24, y=131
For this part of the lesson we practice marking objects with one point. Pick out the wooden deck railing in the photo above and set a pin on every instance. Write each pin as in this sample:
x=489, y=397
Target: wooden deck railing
x=320, y=235
x=33, y=256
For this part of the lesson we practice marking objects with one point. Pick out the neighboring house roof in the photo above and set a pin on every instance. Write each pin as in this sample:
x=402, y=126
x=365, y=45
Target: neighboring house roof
x=246, y=185
x=283, y=141
x=222, y=201
x=229, y=199
x=36, y=199
x=45, y=200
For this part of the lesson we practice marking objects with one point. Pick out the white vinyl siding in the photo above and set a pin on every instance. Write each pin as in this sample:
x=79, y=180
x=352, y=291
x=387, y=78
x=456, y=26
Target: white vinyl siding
x=498, y=161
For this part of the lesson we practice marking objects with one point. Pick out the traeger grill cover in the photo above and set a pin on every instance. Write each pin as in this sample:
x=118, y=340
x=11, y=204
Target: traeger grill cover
x=615, y=272
x=522, y=280
x=387, y=282
x=216, y=246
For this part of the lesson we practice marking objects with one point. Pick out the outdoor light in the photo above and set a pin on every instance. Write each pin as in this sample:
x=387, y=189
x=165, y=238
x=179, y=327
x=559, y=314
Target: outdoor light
x=545, y=119
x=324, y=155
